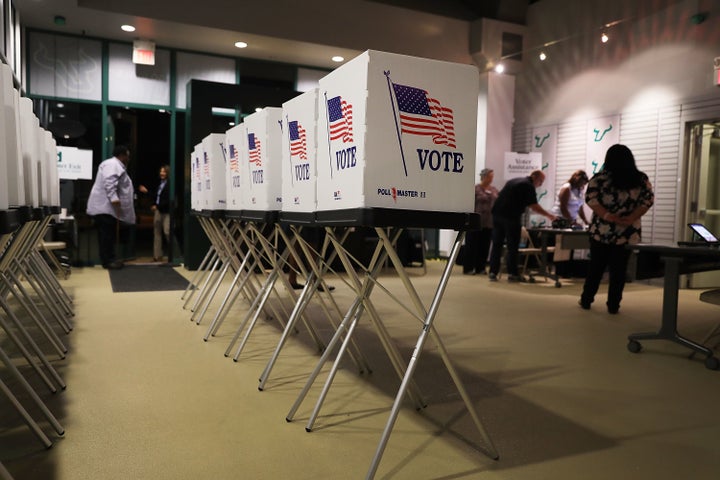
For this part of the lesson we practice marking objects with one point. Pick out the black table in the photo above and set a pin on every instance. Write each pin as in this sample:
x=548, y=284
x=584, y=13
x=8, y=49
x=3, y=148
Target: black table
x=670, y=262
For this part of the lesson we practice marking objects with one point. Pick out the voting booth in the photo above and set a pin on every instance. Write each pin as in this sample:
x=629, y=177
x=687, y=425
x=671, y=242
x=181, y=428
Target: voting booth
x=196, y=182
x=236, y=150
x=261, y=173
x=213, y=171
x=299, y=152
x=397, y=132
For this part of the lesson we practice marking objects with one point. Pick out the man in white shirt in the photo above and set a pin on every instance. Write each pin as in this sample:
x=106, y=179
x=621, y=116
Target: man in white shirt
x=110, y=202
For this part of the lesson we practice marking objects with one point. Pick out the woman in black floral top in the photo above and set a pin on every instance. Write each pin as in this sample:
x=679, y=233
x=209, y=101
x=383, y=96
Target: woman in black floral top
x=619, y=195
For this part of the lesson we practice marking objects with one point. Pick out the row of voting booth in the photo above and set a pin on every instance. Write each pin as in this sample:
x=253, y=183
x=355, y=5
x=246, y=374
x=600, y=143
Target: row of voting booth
x=382, y=131
x=386, y=141
x=35, y=310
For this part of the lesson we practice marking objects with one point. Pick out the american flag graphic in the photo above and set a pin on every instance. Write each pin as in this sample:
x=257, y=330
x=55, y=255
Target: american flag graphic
x=197, y=167
x=234, y=161
x=298, y=140
x=340, y=117
x=206, y=164
x=254, y=150
x=421, y=114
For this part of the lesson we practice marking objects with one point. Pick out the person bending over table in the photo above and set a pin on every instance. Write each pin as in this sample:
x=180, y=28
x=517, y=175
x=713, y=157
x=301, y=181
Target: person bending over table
x=570, y=198
x=517, y=195
x=619, y=195
x=569, y=205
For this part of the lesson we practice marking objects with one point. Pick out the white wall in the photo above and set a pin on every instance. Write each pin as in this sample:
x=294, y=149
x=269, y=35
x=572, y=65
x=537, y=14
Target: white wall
x=655, y=56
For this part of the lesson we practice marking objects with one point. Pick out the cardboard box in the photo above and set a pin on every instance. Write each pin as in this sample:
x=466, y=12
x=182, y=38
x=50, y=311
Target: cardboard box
x=299, y=152
x=235, y=139
x=261, y=180
x=213, y=173
x=397, y=132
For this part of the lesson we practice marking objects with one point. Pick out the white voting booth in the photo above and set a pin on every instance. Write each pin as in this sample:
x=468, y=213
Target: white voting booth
x=12, y=144
x=196, y=183
x=235, y=139
x=397, y=132
x=29, y=127
x=261, y=174
x=213, y=171
x=299, y=153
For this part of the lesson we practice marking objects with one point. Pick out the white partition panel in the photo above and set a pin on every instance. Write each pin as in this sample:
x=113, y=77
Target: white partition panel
x=198, y=197
x=11, y=146
x=4, y=178
x=29, y=150
x=261, y=178
x=299, y=141
x=235, y=141
x=397, y=132
x=214, y=171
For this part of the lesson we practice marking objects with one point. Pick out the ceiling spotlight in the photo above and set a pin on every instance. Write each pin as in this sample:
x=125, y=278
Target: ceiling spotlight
x=499, y=68
x=232, y=124
x=258, y=109
x=337, y=59
x=241, y=44
x=127, y=28
x=604, y=38
x=542, y=56
x=59, y=105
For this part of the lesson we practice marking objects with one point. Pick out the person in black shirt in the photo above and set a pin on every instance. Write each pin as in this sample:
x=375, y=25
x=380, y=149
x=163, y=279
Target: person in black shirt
x=161, y=212
x=517, y=195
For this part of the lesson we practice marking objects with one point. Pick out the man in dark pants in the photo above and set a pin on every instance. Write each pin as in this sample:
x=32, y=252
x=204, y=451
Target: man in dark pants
x=110, y=202
x=517, y=195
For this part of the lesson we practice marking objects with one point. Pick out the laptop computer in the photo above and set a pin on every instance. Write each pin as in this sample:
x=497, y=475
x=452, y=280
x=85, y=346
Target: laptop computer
x=702, y=237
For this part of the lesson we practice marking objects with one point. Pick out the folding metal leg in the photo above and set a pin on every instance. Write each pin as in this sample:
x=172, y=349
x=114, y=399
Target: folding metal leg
x=33, y=345
x=34, y=427
x=347, y=326
x=308, y=292
x=35, y=314
x=33, y=395
x=194, y=284
x=412, y=365
x=4, y=474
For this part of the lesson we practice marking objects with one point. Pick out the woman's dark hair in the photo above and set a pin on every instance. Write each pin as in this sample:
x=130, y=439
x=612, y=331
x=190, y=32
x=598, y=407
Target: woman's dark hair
x=577, y=177
x=620, y=165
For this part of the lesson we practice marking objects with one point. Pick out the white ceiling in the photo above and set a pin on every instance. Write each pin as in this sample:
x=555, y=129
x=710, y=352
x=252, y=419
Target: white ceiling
x=299, y=32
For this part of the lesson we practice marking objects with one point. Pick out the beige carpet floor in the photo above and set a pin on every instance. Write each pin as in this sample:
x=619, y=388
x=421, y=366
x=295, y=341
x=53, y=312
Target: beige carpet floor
x=555, y=388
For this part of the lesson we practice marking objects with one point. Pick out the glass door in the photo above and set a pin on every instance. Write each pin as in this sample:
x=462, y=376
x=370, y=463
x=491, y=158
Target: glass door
x=703, y=200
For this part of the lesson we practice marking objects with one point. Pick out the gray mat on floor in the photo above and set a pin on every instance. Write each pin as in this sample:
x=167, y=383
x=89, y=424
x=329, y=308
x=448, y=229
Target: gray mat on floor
x=146, y=278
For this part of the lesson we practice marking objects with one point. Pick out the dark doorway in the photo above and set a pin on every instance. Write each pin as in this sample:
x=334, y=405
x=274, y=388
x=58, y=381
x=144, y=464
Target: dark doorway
x=147, y=133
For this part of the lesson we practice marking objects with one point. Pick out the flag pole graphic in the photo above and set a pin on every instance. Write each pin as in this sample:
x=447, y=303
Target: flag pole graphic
x=249, y=163
x=327, y=116
x=292, y=179
x=397, y=127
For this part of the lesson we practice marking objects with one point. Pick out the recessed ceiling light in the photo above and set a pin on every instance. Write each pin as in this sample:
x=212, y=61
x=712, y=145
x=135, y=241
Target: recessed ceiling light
x=604, y=38
x=60, y=105
x=337, y=58
x=66, y=136
x=258, y=109
x=240, y=44
x=499, y=68
x=127, y=28
x=542, y=56
x=232, y=124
